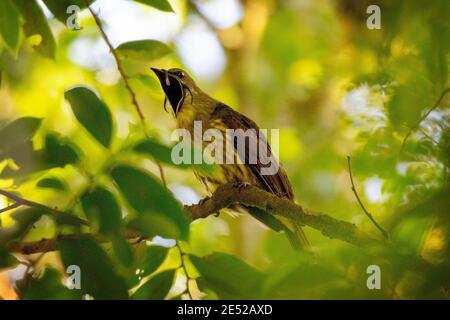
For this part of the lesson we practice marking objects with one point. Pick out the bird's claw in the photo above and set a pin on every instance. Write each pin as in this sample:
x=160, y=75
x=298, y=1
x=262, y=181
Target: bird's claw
x=240, y=185
x=203, y=200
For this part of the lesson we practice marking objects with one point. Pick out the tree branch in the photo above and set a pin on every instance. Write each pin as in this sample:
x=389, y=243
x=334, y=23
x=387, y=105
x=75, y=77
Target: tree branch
x=368, y=214
x=48, y=245
x=228, y=195
x=414, y=127
x=124, y=76
x=118, y=63
x=19, y=201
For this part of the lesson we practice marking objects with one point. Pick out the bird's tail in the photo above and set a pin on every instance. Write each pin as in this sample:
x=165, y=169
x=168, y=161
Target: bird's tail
x=297, y=238
x=295, y=235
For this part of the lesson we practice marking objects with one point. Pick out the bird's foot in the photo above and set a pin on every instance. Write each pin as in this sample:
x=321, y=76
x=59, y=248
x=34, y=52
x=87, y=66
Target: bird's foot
x=241, y=185
x=203, y=200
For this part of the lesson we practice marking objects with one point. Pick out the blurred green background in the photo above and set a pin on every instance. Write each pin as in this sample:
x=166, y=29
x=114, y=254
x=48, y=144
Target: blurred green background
x=312, y=69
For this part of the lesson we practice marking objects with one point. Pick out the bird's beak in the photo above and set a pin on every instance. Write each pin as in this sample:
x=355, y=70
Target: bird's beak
x=171, y=86
x=159, y=73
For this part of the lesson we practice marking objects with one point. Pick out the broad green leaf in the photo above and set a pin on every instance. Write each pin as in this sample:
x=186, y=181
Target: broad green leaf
x=162, y=5
x=122, y=250
x=155, y=224
x=145, y=50
x=66, y=219
x=58, y=151
x=59, y=8
x=163, y=154
x=150, y=82
x=228, y=276
x=36, y=23
x=155, y=149
x=24, y=220
x=411, y=232
x=16, y=133
x=148, y=260
x=6, y=259
x=49, y=287
x=9, y=25
x=52, y=183
x=157, y=287
x=151, y=199
x=98, y=276
x=92, y=113
x=102, y=210
x=409, y=101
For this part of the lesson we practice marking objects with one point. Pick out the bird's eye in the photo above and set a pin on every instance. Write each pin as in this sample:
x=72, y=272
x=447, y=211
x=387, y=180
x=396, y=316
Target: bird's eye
x=180, y=74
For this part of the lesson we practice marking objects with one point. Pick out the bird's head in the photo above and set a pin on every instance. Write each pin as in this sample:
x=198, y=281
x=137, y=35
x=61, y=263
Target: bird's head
x=177, y=86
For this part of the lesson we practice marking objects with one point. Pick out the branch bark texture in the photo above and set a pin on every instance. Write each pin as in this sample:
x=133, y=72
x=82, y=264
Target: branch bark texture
x=229, y=195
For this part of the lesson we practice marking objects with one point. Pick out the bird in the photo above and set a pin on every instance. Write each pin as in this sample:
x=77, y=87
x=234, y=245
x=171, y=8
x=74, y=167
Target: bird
x=190, y=104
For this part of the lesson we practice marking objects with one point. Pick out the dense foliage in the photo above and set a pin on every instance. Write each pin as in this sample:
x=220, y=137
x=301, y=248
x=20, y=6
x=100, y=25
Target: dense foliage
x=73, y=143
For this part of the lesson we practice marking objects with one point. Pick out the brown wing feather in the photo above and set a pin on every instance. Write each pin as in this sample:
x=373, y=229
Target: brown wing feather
x=278, y=183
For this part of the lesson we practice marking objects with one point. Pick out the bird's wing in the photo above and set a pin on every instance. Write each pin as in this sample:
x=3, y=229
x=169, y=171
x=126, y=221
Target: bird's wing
x=277, y=183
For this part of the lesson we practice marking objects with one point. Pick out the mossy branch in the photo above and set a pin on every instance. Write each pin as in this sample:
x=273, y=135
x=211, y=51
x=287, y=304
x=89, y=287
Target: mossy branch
x=227, y=196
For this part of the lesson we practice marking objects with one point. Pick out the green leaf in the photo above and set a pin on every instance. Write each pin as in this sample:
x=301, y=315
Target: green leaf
x=7, y=260
x=162, y=5
x=148, y=260
x=102, y=210
x=149, y=82
x=123, y=250
x=157, y=287
x=66, y=219
x=49, y=287
x=16, y=133
x=52, y=183
x=92, y=113
x=58, y=151
x=163, y=154
x=145, y=50
x=155, y=149
x=228, y=276
x=98, y=276
x=151, y=199
x=9, y=25
x=59, y=8
x=25, y=218
x=36, y=23
x=409, y=100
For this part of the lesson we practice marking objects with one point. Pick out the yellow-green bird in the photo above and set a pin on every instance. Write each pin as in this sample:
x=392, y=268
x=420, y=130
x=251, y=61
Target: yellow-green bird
x=189, y=103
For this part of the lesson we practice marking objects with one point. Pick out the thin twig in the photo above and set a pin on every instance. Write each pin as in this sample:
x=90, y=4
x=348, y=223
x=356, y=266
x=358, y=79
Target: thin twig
x=118, y=63
x=19, y=201
x=13, y=206
x=414, y=127
x=193, y=6
x=429, y=137
x=368, y=214
x=183, y=266
x=124, y=76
